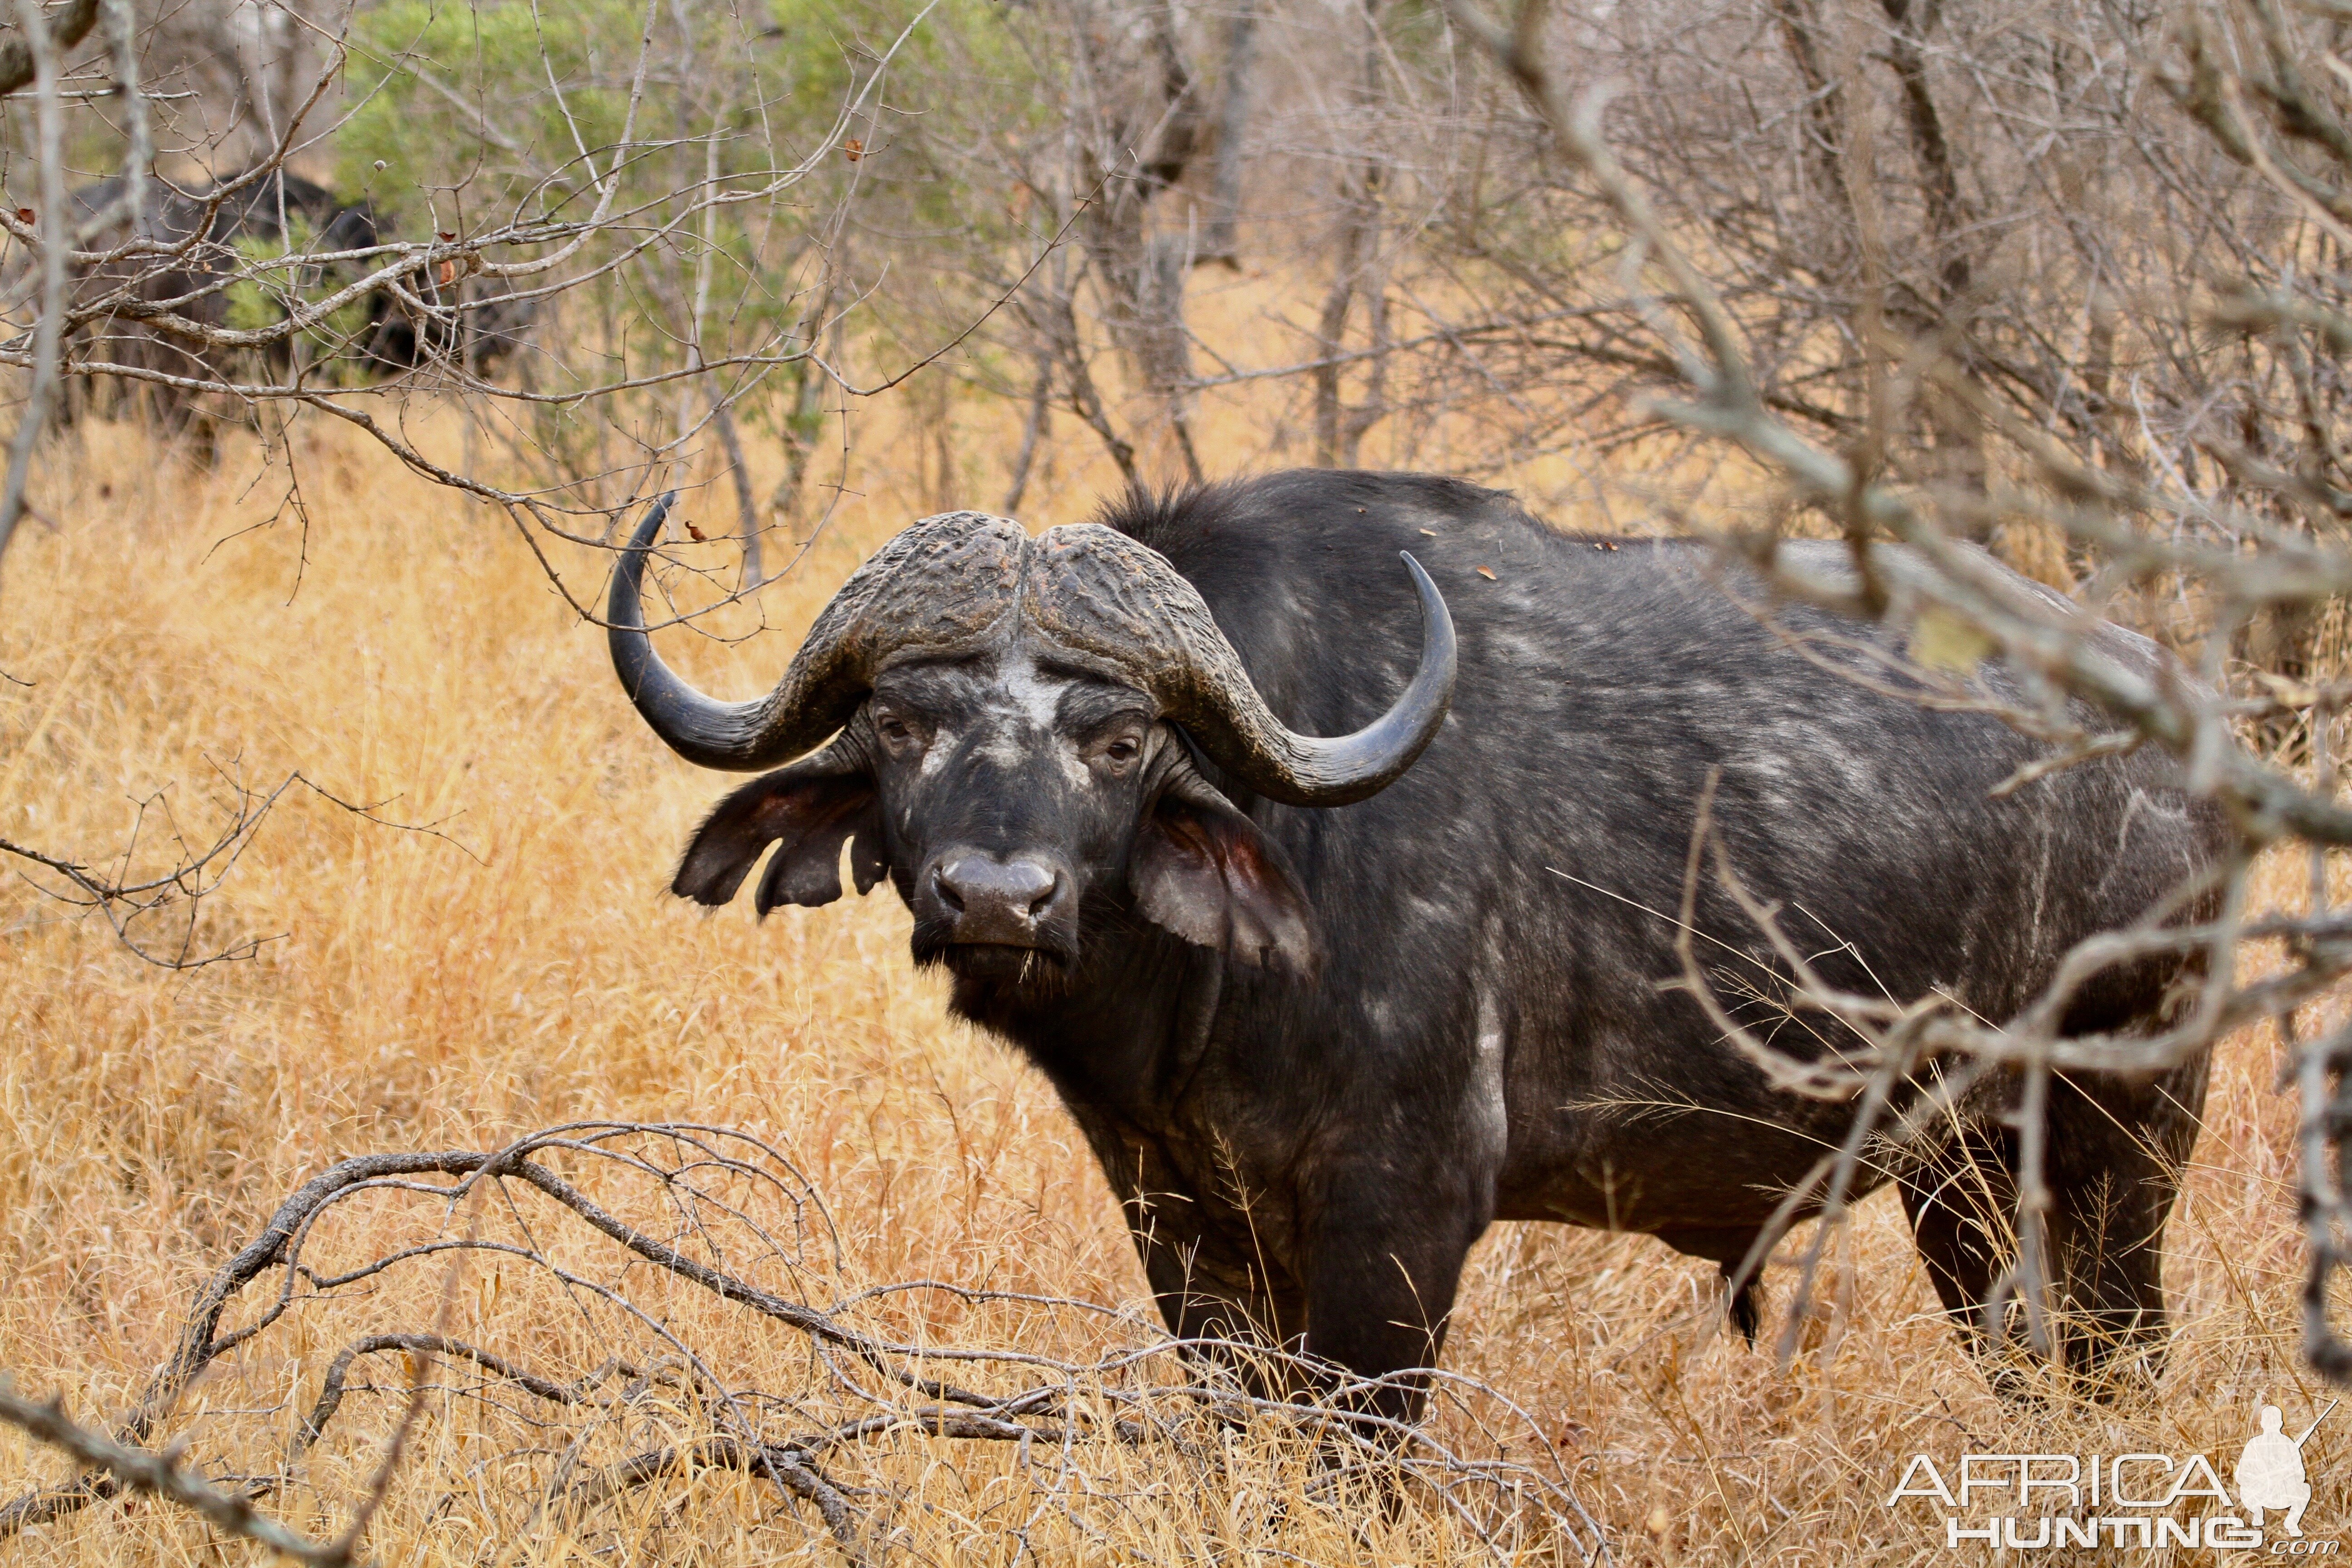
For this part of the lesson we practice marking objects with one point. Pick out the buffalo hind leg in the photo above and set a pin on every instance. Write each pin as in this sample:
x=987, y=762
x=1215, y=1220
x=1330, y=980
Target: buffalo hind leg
x=2117, y=1153
x=2113, y=1152
x=1727, y=1249
x=1962, y=1207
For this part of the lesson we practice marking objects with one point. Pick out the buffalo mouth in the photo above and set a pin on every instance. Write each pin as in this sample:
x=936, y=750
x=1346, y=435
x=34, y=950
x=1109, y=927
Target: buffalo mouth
x=1002, y=963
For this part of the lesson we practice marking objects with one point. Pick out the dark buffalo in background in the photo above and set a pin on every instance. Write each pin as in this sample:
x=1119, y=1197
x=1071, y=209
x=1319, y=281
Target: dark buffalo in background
x=1328, y=1008
x=237, y=216
x=493, y=324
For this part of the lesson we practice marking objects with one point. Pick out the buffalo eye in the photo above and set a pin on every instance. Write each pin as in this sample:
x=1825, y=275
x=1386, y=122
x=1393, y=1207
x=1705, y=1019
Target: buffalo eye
x=900, y=736
x=1117, y=752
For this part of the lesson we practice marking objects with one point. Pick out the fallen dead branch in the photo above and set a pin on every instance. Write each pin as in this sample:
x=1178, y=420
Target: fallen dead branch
x=664, y=1283
x=161, y=1474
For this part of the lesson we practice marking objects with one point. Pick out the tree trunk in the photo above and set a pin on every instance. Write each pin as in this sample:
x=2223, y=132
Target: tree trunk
x=1357, y=270
x=1034, y=428
x=1221, y=240
x=747, y=513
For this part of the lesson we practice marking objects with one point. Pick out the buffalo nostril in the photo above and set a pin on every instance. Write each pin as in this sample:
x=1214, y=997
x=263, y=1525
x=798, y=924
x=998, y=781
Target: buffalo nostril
x=944, y=886
x=1037, y=905
x=1025, y=886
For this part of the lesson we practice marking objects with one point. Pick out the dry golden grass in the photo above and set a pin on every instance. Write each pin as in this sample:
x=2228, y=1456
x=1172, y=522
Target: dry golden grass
x=528, y=969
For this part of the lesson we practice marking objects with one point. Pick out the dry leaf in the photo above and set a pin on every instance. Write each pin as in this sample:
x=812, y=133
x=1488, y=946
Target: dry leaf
x=2292, y=694
x=695, y=534
x=853, y=149
x=1943, y=641
x=1482, y=572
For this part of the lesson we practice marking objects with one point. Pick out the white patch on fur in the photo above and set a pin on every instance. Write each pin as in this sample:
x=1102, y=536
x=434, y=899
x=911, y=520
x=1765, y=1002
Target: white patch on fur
x=942, y=748
x=1035, y=698
x=1031, y=693
x=1490, y=1113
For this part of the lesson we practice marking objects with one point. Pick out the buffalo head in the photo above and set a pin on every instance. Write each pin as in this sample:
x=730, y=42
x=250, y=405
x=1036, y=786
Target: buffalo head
x=1006, y=728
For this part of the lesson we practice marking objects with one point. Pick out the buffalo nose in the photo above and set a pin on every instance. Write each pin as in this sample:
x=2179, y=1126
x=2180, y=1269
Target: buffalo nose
x=996, y=900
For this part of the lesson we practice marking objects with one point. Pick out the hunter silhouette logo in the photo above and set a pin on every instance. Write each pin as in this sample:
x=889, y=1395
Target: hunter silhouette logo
x=2269, y=1472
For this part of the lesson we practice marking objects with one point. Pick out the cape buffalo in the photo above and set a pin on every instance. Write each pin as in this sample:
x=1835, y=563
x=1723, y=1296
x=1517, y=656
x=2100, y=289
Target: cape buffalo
x=212, y=232
x=1326, y=1008
x=215, y=234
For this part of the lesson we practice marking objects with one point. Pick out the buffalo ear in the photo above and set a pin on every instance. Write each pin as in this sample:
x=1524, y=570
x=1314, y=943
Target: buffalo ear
x=1201, y=870
x=808, y=809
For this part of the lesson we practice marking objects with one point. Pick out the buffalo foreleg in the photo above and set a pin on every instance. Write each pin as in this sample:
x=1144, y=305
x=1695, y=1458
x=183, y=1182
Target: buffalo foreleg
x=1217, y=1288
x=1383, y=1262
x=1229, y=1303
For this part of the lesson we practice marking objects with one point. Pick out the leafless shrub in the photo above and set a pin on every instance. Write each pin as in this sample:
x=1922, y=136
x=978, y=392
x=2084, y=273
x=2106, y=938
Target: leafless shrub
x=597, y=269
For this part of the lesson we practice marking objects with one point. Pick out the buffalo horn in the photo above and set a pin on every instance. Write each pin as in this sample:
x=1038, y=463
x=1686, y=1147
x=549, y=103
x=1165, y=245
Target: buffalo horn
x=941, y=587
x=1103, y=593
